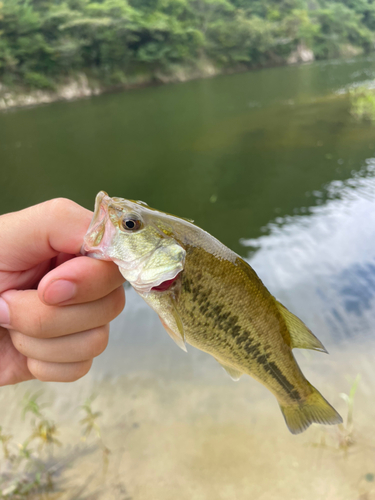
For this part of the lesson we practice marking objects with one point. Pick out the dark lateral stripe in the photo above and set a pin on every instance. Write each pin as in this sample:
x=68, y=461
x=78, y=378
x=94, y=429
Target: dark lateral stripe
x=229, y=323
x=272, y=368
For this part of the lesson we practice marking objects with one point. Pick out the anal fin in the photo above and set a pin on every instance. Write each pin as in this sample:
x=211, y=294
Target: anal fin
x=300, y=336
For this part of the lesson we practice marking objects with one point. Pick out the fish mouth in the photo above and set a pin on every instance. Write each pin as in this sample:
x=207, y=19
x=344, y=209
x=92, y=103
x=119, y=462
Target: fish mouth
x=96, y=229
x=165, y=285
x=95, y=255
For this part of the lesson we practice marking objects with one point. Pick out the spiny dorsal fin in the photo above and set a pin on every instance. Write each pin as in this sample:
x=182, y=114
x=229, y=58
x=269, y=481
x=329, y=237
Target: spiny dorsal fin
x=300, y=336
x=232, y=372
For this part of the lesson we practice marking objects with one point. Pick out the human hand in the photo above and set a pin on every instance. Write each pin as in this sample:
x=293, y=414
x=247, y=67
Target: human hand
x=55, y=307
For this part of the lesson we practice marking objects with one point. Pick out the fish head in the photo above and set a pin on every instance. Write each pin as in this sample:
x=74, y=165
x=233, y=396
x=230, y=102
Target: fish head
x=138, y=239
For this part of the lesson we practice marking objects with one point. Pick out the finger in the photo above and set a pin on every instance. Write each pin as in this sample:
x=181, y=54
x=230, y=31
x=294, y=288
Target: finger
x=58, y=372
x=13, y=365
x=44, y=321
x=23, y=279
x=61, y=258
x=44, y=230
x=79, y=280
x=67, y=349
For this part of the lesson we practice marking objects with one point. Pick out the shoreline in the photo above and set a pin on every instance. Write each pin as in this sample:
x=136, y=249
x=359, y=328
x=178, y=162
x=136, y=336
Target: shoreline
x=81, y=85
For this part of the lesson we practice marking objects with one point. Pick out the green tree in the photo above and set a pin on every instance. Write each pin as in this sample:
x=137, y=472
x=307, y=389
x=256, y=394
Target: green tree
x=42, y=41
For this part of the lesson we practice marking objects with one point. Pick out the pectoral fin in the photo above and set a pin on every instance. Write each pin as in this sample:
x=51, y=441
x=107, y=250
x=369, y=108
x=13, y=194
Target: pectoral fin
x=176, y=336
x=300, y=336
x=232, y=372
x=173, y=325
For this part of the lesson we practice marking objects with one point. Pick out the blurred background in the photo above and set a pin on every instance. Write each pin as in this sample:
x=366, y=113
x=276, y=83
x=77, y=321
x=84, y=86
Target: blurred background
x=271, y=148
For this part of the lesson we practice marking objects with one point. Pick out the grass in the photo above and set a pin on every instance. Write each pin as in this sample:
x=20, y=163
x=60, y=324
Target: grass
x=345, y=432
x=346, y=429
x=29, y=468
x=90, y=424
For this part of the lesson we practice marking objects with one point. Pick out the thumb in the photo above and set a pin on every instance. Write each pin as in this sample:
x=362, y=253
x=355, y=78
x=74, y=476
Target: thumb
x=40, y=232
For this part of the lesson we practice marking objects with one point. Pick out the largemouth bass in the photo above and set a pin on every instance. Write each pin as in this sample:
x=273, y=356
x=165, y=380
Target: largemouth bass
x=207, y=296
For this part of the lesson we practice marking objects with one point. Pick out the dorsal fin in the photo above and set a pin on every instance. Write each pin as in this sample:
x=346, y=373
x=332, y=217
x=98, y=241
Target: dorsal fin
x=300, y=336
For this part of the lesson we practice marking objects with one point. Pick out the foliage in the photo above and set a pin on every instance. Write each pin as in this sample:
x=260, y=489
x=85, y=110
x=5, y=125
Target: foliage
x=43, y=41
x=38, y=81
x=362, y=101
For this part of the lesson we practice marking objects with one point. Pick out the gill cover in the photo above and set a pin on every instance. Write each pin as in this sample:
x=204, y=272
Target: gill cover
x=162, y=264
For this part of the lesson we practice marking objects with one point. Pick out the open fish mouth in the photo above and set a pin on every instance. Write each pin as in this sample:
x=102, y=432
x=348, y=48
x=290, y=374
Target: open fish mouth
x=95, y=232
x=165, y=285
x=95, y=255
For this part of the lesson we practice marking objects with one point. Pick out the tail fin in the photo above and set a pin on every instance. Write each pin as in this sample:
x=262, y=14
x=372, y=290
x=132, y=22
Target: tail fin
x=300, y=415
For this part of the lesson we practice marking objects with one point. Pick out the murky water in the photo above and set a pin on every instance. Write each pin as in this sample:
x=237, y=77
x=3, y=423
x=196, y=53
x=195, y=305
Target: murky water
x=272, y=164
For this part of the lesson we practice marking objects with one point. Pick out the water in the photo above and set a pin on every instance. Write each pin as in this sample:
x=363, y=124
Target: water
x=272, y=164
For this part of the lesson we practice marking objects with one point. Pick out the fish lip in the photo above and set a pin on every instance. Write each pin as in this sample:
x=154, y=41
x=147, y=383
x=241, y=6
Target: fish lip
x=153, y=287
x=164, y=286
x=100, y=198
x=101, y=203
x=98, y=255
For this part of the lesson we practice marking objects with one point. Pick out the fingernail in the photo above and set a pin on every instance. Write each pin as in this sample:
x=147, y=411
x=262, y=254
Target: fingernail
x=4, y=313
x=59, y=291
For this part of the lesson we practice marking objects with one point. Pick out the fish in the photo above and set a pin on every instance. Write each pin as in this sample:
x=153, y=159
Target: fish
x=209, y=297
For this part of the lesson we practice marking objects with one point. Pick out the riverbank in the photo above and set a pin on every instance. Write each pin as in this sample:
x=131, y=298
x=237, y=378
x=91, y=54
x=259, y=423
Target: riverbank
x=83, y=85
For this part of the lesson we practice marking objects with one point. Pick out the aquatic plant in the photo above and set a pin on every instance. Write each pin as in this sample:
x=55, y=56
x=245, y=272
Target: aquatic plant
x=29, y=468
x=362, y=103
x=90, y=424
x=4, y=440
x=342, y=437
x=346, y=429
x=23, y=471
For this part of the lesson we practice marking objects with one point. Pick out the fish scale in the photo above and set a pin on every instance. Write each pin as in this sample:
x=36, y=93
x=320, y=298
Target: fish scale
x=211, y=326
x=210, y=298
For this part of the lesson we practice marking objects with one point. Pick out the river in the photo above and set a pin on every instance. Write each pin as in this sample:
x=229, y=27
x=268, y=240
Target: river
x=272, y=163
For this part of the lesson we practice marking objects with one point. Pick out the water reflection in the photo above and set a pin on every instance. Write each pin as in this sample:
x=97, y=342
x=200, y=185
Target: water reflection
x=323, y=264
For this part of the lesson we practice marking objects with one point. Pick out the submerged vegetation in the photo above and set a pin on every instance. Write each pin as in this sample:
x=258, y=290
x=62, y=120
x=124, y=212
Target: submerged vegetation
x=44, y=42
x=344, y=436
x=29, y=468
x=346, y=429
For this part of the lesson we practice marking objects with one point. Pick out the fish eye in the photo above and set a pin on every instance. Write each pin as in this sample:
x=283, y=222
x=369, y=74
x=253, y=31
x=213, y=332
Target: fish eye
x=131, y=223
